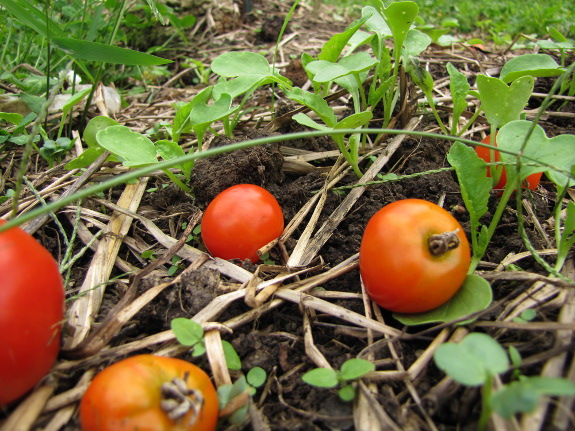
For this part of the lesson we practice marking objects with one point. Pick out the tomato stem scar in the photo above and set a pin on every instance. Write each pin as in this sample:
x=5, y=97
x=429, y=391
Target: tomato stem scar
x=441, y=243
x=178, y=400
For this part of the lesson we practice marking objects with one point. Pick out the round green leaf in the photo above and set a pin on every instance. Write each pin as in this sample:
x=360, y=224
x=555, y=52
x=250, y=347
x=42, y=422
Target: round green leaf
x=256, y=376
x=475, y=295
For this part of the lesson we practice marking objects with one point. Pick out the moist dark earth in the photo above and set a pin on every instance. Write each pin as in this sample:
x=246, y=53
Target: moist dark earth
x=274, y=339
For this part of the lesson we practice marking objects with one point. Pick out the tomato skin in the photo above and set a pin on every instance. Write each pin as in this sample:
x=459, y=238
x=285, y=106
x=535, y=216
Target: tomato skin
x=397, y=268
x=126, y=396
x=485, y=154
x=31, y=313
x=241, y=220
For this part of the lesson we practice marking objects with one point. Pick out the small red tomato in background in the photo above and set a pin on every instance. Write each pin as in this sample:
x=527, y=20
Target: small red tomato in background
x=31, y=313
x=485, y=154
x=240, y=221
x=413, y=257
x=140, y=393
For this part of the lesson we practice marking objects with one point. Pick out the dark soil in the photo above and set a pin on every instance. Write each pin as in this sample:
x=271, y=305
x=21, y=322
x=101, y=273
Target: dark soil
x=275, y=339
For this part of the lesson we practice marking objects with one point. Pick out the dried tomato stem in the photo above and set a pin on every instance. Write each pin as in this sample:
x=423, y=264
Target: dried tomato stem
x=443, y=242
x=178, y=400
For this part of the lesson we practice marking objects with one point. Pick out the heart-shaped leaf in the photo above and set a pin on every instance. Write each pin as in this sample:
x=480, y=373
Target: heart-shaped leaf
x=503, y=103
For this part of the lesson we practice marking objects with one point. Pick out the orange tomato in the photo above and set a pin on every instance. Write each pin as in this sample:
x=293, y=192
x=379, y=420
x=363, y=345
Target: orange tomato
x=413, y=257
x=485, y=154
x=241, y=220
x=133, y=395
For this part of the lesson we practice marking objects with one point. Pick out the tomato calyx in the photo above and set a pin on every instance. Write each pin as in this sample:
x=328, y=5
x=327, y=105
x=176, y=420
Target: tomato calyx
x=441, y=243
x=178, y=400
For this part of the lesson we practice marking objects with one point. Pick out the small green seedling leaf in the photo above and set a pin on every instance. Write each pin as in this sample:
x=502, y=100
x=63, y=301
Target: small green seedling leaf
x=376, y=23
x=187, y=331
x=236, y=63
x=134, y=148
x=355, y=368
x=169, y=150
x=475, y=295
x=321, y=378
x=346, y=393
x=400, y=17
x=459, y=88
x=355, y=121
x=256, y=377
x=94, y=149
x=332, y=49
x=316, y=103
x=523, y=395
x=354, y=63
x=233, y=360
x=473, y=361
x=503, y=103
x=535, y=65
x=567, y=238
x=415, y=43
x=94, y=126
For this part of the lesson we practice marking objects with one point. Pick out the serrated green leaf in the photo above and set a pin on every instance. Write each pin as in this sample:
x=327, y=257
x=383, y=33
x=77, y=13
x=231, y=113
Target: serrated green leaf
x=474, y=295
x=459, y=87
x=471, y=172
x=347, y=393
x=321, y=378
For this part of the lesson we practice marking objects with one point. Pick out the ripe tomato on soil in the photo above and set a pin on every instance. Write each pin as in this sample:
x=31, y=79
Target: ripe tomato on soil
x=241, y=220
x=485, y=154
x=31, y=313
x=414, y=256
x=128, y=396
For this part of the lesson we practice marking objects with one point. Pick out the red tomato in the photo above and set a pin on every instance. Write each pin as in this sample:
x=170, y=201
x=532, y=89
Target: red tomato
x=128, y=396
x=31, y=312
x=240, y=221
x=404, y=265
x=485, y=154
